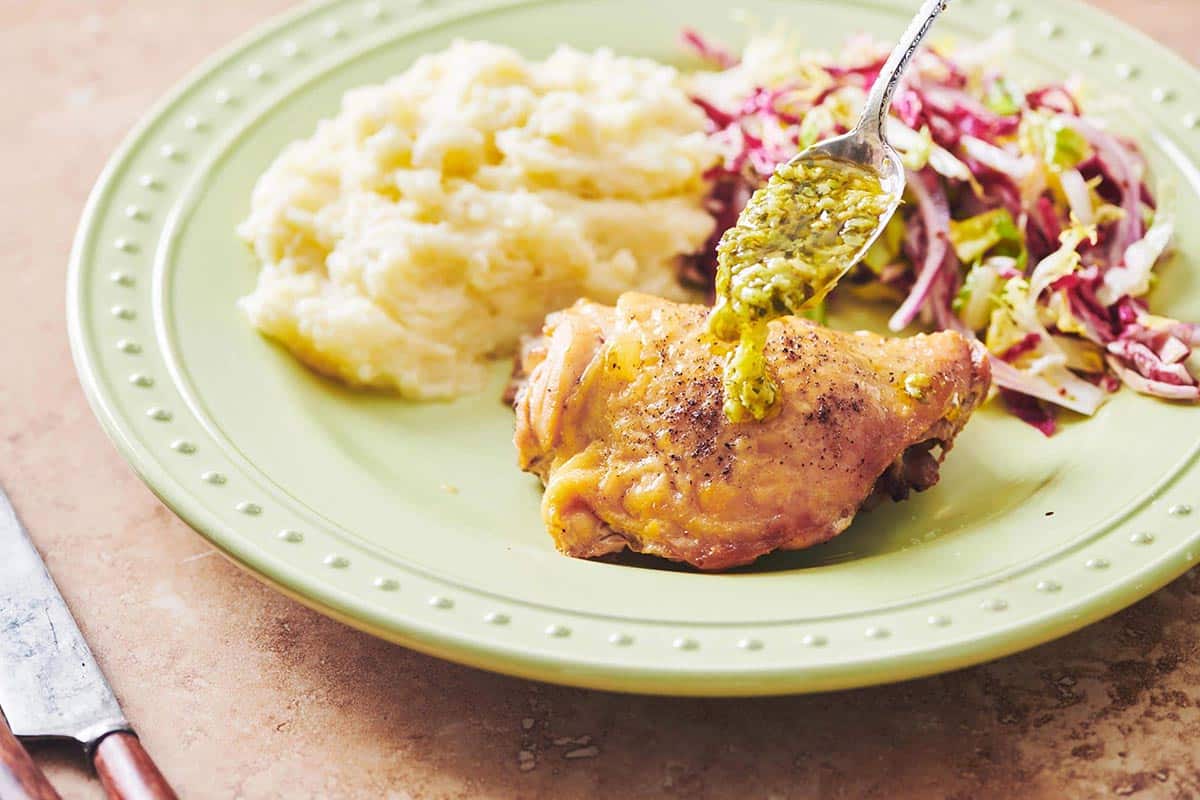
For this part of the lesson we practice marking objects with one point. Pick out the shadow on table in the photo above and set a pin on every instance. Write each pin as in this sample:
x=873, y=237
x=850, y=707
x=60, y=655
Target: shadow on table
x=1112, y=708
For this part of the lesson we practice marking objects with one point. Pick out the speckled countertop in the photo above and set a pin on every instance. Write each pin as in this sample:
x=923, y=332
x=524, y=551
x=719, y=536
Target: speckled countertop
x=239, y=692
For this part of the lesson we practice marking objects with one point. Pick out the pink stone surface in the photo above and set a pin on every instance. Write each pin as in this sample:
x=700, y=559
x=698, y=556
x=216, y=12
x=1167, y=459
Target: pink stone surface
x=240, y=692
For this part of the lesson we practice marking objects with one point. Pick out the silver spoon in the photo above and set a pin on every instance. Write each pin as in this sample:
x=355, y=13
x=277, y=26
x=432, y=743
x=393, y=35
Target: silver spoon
x=766, y=266
x=867, y=144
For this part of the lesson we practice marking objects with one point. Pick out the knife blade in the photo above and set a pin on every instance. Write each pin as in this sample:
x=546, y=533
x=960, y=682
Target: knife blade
x=52, y=687
x=50, y=683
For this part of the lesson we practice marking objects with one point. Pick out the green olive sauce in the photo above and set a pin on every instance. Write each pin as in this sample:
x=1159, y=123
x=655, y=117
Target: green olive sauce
x=796, y=236
x=915, y=385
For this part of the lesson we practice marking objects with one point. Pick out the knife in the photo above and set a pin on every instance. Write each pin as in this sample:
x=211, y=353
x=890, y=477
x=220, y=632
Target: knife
x=51, y=686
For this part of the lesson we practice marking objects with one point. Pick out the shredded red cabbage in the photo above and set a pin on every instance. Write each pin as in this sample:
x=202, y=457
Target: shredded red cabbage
x=1017, y=145
x=1037, y=413
x=714, y=54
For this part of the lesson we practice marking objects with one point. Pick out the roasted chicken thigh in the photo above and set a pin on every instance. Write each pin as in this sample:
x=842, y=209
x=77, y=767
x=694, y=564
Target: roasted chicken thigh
x=621, y=417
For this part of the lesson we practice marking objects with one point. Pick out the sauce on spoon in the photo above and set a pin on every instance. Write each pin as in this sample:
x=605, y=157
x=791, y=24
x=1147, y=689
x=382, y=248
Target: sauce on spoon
x=798, y=234
x=812, y=221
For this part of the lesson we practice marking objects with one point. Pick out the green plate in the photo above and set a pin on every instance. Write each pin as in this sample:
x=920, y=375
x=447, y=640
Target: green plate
x=341, y=499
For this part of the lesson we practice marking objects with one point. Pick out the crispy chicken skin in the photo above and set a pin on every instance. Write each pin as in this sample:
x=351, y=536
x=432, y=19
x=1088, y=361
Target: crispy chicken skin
x=621, y=417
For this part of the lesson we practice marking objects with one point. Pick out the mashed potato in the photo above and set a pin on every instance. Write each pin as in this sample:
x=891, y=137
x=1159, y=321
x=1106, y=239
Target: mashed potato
x=442, y=214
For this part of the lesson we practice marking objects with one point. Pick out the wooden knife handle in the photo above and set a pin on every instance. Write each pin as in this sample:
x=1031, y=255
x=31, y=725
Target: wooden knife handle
x=20, y=778
x=126, y=770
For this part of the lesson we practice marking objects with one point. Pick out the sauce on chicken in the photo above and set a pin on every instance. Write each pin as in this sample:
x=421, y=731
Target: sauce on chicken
x=622, y=417
x=795, y=238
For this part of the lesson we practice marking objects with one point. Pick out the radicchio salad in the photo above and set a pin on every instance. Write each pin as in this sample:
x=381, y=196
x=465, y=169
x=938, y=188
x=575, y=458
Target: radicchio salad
x=1027, y=224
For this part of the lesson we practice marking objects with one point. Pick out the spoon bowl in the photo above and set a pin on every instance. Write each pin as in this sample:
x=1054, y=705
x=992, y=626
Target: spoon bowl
x=869, y=151
x=876, y=154
x=866, y=145
x=815, y=218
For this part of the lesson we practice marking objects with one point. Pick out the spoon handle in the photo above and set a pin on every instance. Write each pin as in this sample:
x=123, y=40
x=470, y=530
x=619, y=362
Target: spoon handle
x=875, y=112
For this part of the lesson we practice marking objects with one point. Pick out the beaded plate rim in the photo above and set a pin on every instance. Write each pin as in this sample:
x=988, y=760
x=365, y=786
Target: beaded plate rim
x=1148, y=547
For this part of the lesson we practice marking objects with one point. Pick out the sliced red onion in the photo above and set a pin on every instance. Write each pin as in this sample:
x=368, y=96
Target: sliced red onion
x=967, y=114
x=942, y=296
x=1132, y=276
x=1009, y=164
x=1030, y=410
x=1026, y=345
x=1086, y=399
x=1120, y=166
x=1148, y=364
x=1053, y=98
x=712, y=53
x=1173, y=350
x=934, y=210
x=1186, y=332
x=718, y=119
x=868, y=72
x=1139, y=383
